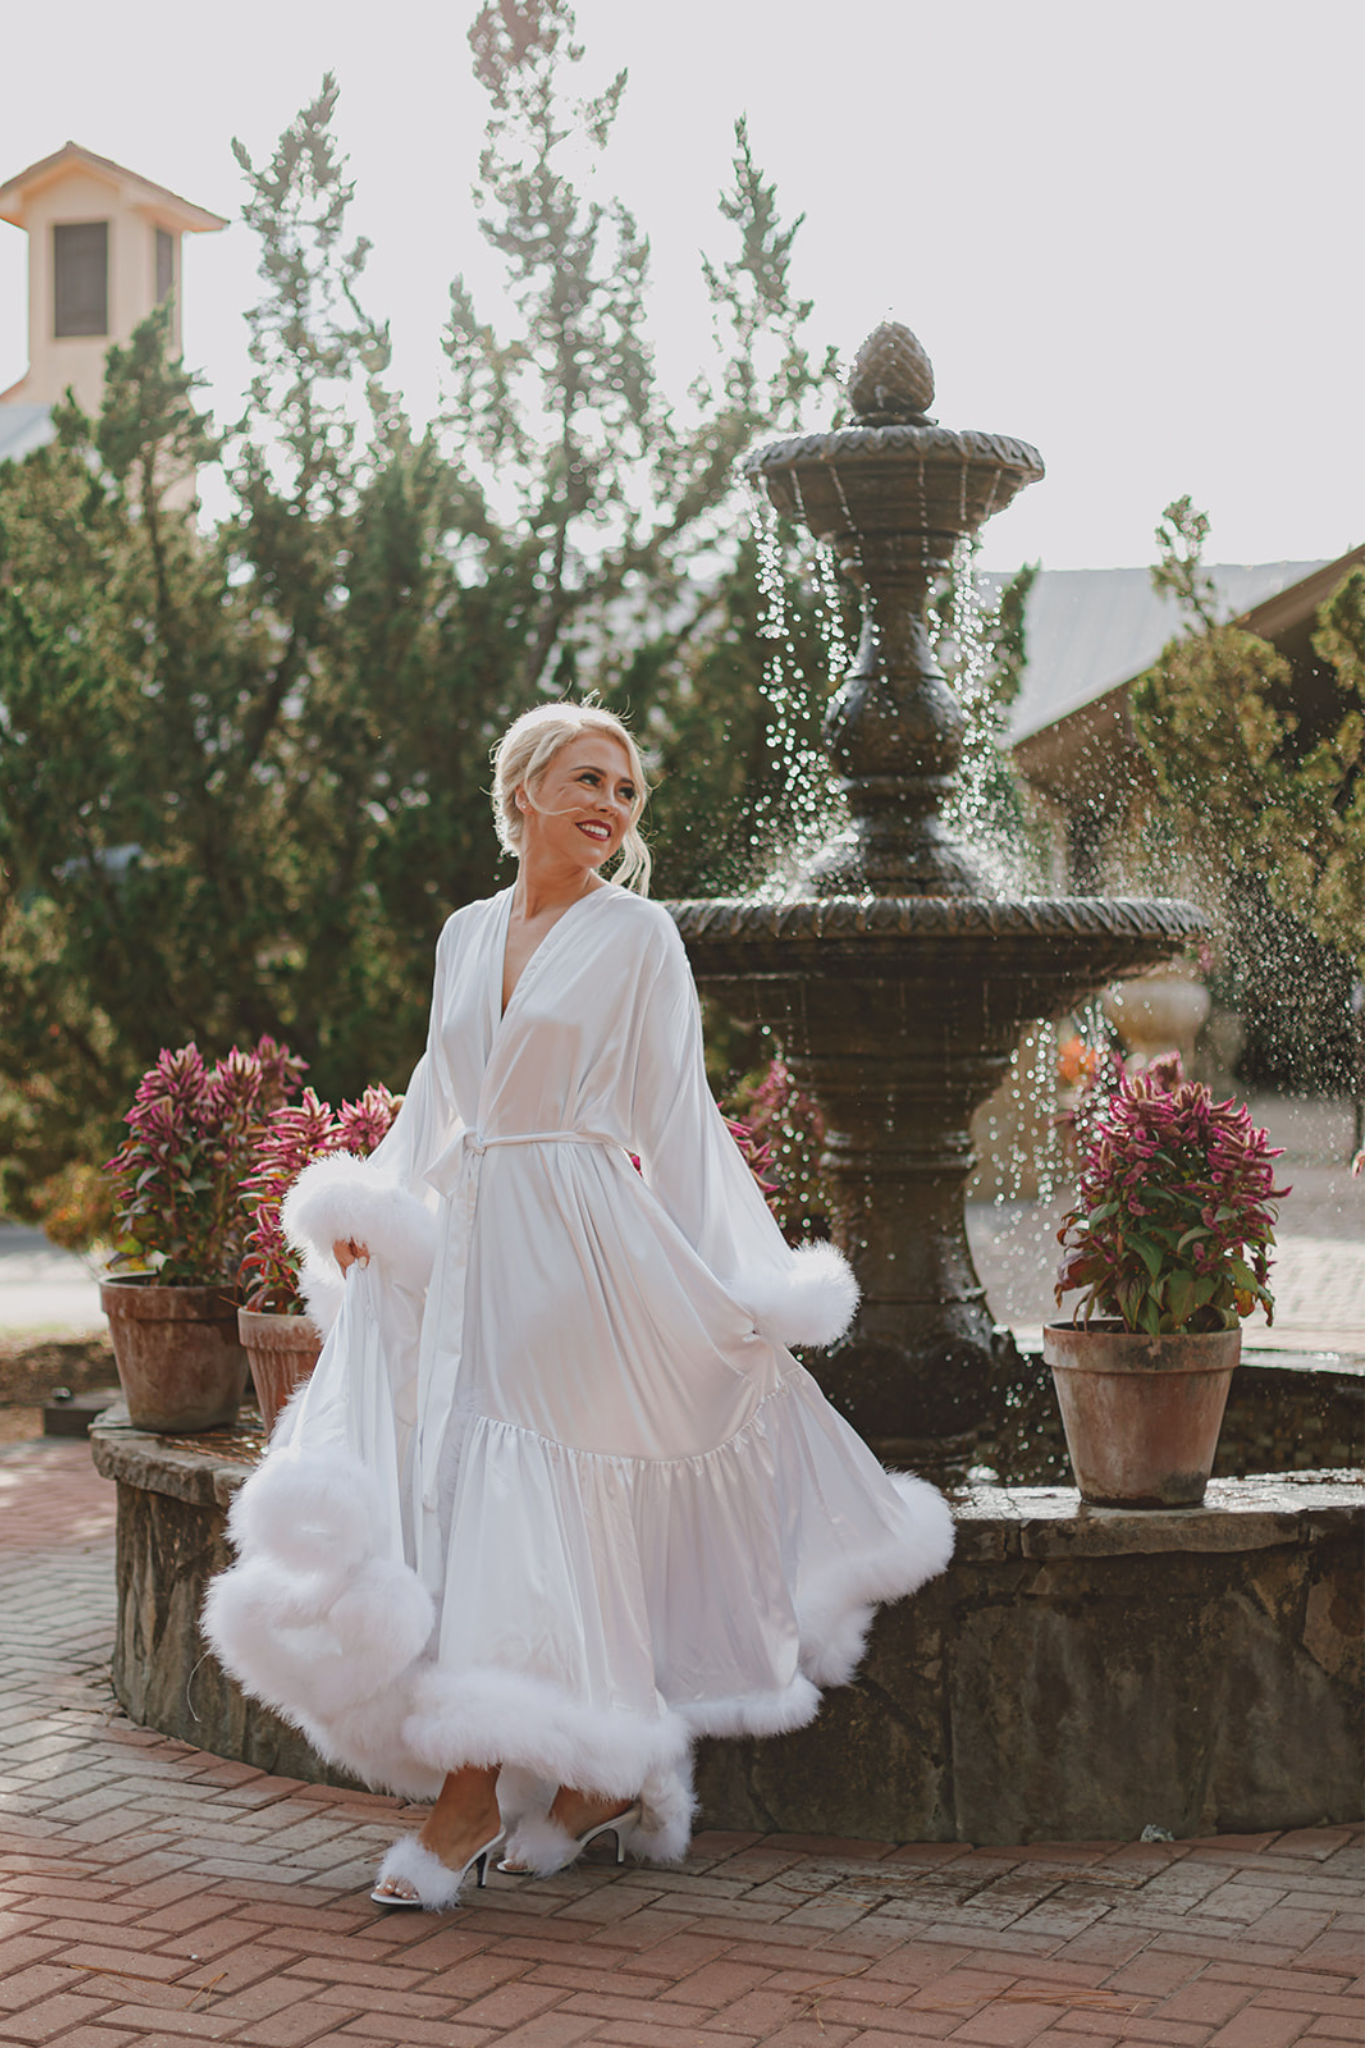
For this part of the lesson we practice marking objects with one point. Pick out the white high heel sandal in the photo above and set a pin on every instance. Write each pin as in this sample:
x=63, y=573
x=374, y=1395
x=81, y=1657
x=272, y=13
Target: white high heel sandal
x=435, y=1885
x=541, y=1846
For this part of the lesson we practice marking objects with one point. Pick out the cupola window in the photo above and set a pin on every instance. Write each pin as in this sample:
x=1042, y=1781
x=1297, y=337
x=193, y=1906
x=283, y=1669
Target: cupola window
x=80, y=262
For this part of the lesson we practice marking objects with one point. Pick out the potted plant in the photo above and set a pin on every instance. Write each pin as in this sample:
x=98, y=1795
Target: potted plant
x=281, y=1339
x=1169, y=1246
x=172, y=1308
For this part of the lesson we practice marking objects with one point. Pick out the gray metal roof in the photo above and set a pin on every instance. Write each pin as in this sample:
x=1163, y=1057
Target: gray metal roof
x=23, y=427
x=1088, y=630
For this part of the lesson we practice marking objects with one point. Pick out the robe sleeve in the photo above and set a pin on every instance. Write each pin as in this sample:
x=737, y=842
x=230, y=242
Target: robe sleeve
x=383, y=1201
x=696, y=1171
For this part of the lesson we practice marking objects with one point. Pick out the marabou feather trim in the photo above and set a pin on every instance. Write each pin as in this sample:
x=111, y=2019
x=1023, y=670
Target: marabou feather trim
x=812, y=1302
x=344, y=1197
x=314, y=1624
x=762, y=1713
x=435, y=1883
x=837, y=1607
x=540, y=1845
x=669, y=1804
x=341, y=1196
x=660, y=1835
x=487, y=1716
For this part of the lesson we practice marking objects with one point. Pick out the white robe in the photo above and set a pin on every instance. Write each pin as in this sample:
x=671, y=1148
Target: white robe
x=569, y=1502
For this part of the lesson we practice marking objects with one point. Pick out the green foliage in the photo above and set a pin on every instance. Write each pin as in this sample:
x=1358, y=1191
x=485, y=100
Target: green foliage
x=1179, y=571
x=243, y=774
x=1265, y=776
x=284, y=1142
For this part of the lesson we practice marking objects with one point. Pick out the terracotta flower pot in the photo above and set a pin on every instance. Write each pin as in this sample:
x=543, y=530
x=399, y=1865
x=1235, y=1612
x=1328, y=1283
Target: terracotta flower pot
x=1141, y=1414
x=283, y=1351
x=179, y=1360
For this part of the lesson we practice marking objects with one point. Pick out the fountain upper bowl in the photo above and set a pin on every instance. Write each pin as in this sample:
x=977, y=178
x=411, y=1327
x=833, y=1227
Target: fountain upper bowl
x=903, y=479
x=1054, y=950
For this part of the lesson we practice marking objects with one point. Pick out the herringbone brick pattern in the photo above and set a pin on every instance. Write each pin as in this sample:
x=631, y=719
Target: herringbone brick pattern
x=150, y=1893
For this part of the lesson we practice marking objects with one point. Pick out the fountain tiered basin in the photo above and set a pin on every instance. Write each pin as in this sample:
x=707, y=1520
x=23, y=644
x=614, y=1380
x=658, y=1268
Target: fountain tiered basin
x=900, y=1015
x=894, y=981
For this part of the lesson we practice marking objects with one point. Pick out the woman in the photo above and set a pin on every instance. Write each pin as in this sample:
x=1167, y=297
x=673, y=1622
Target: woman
x=557, y=1498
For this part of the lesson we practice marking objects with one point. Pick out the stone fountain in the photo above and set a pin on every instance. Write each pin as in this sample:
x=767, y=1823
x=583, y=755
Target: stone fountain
x=896, y=984
x=1077, y=1673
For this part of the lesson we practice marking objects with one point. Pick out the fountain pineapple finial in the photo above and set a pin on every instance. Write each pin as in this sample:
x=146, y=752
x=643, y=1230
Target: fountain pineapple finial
x=891, y=377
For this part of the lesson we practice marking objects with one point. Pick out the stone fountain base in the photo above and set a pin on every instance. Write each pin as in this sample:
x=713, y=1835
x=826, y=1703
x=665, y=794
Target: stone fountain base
x=1078, y=1673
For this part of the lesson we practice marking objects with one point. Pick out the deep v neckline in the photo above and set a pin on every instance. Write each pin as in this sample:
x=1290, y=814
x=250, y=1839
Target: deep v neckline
x=502, y=1012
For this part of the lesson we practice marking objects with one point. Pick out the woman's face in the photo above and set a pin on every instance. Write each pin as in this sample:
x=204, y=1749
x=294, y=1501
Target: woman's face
x=583, y=803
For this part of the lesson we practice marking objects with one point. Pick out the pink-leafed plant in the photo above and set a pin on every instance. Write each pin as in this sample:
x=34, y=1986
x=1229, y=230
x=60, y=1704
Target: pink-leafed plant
x=293, y=1137
x=175, y=1177
x=785, y=1131
x=1176, y=1212
x=757, y=1153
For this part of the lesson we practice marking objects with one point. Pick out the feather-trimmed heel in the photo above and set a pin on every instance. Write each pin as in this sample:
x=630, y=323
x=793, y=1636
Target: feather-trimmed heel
x=540, y=1846
x=435, y=1886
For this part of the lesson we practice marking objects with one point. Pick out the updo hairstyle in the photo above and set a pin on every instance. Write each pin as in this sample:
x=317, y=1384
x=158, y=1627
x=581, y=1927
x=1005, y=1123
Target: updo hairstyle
x=526, y=750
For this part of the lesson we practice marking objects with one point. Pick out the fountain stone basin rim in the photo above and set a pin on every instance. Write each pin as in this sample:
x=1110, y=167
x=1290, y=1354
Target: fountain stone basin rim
x=899, y=1015
x=1175, y=1638
x=1086, y=932
x=850, y=486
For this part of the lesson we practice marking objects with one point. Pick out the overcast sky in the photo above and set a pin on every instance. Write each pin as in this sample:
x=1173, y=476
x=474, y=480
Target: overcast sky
x=1130, y=234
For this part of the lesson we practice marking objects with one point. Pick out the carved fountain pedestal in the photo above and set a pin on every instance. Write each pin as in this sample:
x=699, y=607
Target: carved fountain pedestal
x=895, y=984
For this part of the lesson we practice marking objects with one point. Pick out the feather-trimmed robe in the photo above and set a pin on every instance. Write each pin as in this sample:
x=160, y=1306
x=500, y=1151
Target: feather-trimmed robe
x=557, y=1497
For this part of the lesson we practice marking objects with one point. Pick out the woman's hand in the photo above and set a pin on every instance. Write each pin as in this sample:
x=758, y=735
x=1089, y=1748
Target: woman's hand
x=348, y=1253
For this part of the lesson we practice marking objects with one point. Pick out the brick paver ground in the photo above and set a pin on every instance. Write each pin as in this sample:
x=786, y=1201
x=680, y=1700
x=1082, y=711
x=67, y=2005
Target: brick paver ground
x=152, y=1893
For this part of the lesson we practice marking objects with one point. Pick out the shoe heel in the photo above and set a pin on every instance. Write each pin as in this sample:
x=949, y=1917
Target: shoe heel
x=620, y=1846
x=481, y=1869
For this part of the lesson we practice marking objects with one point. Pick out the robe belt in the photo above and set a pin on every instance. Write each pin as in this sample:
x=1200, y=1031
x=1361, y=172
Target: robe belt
x=455, y=1174
x=539, y=1138
x=450, y=1167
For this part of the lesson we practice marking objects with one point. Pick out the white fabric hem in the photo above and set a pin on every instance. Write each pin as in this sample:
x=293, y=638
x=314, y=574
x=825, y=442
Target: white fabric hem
x=495, y=1716
x=335, y=1638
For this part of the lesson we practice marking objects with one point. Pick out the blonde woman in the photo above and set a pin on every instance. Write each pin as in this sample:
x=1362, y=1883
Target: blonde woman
x=558, y=1499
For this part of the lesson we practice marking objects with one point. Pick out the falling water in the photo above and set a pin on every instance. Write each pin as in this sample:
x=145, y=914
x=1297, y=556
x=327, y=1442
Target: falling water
x=798, y=813
x=979, y=809
x=829, y=614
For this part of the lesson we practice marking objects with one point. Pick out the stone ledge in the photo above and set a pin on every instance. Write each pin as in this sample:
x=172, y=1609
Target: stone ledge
x=1075, y=1674
x=996, y=1522
x=993, y=1522
x=189, y=1470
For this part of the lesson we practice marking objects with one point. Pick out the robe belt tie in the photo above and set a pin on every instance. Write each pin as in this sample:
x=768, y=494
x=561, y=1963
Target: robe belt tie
x=452, y=1167
x=480, y=1145
x=456, y=1174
